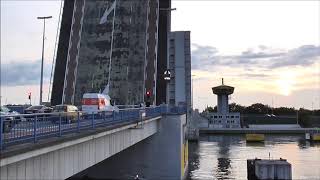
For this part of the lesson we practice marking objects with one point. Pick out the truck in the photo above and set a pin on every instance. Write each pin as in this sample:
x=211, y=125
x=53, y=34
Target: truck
x=93, y=103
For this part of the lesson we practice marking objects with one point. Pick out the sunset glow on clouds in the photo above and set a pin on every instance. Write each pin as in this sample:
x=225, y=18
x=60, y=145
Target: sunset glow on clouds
x=256, y=73
x=281, y=83
x=261, y=75
x=265, y=49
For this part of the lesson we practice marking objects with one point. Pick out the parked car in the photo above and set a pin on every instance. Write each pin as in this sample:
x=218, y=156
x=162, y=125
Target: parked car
x=38, y=109
x=69, y=113
x=9, y=118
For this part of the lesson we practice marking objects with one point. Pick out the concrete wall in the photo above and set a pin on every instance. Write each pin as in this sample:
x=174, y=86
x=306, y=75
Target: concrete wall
x=224, y=120
x=158, y=157
x=63, y=160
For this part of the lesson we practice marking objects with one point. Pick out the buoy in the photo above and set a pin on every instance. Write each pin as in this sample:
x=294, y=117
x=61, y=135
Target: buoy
x=254, y=137
x=315, y=137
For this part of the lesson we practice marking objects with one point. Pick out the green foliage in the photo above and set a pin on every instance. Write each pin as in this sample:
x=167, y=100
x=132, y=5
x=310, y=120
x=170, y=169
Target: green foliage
x=236, y=108
x=307, y=118
x=209, y=109
x=259, y=108
x=304, y=119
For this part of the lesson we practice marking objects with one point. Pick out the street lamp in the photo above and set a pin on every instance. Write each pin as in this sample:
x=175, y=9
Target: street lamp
x=41, y=75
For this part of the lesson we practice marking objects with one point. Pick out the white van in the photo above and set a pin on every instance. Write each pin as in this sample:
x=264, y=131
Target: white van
x=94, y=102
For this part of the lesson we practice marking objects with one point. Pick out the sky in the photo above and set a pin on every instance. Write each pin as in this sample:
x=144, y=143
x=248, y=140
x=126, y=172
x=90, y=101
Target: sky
x=268, y=50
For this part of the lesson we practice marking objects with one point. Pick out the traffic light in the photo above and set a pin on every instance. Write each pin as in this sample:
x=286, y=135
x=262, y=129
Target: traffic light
x=148, y=94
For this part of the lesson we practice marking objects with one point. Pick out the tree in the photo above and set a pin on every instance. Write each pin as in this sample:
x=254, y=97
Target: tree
x=233, y=107
x=258, y=108
x=284, y=111
x=209, y=109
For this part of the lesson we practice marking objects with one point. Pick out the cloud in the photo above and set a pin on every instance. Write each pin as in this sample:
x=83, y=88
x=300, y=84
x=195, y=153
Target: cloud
x=23, y=73
x=254, y=75
x=202, y=56
x=302, y=56
x=206, y=57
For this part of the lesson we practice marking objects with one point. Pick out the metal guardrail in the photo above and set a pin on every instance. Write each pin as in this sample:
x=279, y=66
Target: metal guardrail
x=176, y=110
x=24, y=128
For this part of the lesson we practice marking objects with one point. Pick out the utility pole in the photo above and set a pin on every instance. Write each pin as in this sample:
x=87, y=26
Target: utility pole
x=192, y=91
x=43, y=37
x=297, y=116
x=312, y=107
x=272, y=106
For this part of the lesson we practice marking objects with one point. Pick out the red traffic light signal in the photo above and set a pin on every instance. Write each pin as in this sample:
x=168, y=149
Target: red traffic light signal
x=29, y=95
x=148, y=93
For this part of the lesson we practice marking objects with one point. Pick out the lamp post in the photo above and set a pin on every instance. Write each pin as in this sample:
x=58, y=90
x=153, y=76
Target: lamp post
x=41, y=75
x=297, y=116
x=192, y=91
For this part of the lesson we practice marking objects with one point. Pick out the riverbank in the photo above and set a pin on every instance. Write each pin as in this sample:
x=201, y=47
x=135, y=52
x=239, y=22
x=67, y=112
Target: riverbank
x=256, y=130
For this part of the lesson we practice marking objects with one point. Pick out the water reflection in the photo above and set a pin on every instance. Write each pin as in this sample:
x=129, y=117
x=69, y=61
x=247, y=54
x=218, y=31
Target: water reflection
x=224, y=156
x=303, y=144
x=219, y=163
x=223, y=170
x=255, y=144
x=193, y=155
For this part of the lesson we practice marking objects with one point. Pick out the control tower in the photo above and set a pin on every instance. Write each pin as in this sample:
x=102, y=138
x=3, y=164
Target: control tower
x=223, y=92
x=223, y=118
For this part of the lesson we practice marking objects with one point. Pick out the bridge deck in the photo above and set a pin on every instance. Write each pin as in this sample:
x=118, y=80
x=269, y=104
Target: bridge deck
x=35, y=127
x=50, y=141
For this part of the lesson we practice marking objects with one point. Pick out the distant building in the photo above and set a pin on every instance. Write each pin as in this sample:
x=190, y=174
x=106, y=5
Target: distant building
x=223, y=118
x=84, y=50
x=180, y=69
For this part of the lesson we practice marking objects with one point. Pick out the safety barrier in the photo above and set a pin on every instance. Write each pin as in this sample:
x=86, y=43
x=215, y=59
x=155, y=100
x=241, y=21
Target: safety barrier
x=22, y=128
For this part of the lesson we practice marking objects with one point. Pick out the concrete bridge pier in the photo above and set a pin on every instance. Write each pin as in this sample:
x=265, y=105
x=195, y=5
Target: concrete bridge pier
x=163, y=155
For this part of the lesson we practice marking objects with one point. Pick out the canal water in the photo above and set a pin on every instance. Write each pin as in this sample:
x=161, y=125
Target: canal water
x=224, y=156
x=213, y=157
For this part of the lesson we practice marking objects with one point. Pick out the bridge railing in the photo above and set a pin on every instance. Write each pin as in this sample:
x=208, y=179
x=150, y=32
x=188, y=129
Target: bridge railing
x=176, y=110
x=22, y=128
